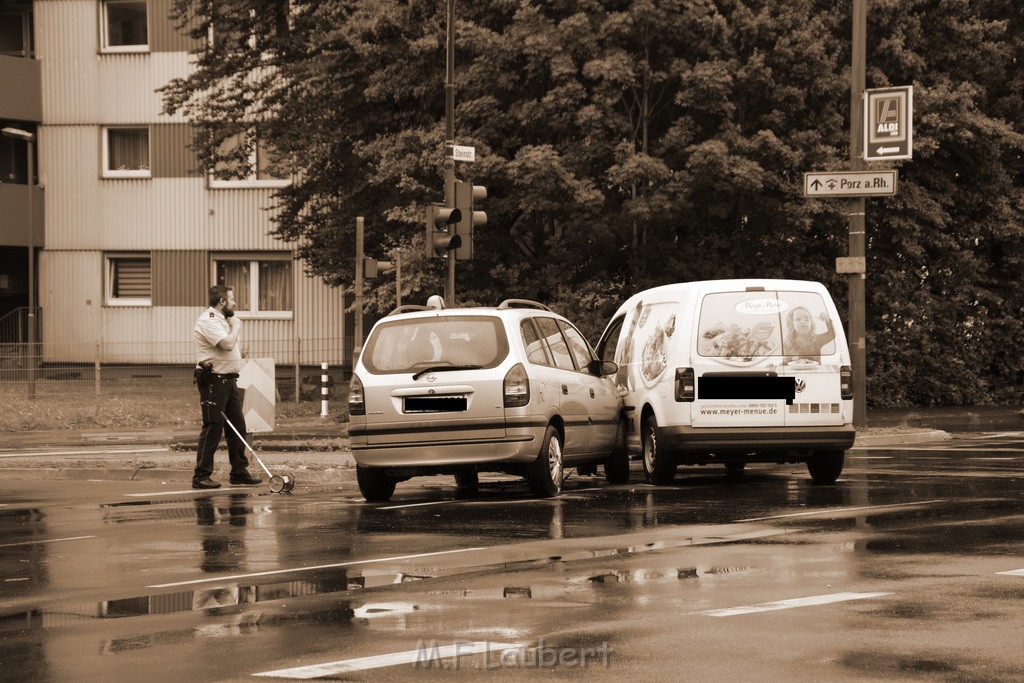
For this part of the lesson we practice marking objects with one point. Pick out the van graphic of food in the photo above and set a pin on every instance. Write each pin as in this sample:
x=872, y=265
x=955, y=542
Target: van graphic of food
x=654, y=359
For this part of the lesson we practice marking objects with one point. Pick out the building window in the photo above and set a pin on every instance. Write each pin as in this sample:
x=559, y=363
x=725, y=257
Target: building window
x=129, y=280
x=126, y=152
x=15, y=31
x=123, y=26
x=257, y=165
x=262, y=283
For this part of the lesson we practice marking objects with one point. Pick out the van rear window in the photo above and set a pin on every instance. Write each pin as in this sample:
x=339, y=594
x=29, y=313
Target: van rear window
x=744, y=326
x=416, y=343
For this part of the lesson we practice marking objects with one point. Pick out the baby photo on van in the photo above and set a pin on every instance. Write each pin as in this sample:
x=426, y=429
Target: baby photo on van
x=803, y=342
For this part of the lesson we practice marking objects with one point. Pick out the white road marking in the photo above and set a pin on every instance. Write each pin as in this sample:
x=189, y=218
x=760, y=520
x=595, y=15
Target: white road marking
x=1013, y=572
x=51, y=540
x=832, y=511
x=214, y=579
x=427, y=655
x=416, y=505
x=791, y=604
x=33, y=454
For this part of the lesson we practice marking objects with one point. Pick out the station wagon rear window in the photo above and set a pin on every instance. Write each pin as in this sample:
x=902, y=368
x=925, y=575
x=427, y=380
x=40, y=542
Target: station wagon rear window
x=744, y=326
x=410, y=345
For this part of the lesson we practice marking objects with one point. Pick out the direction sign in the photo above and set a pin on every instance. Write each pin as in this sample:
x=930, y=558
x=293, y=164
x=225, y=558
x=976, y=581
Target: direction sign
x=850, y=184
x=888, y=119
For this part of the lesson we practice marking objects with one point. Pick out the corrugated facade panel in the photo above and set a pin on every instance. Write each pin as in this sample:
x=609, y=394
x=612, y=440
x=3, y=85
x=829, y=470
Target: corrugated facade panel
x=171, y=156
x=70, y=295
x=180, y=278
x=67, y=44
x=163, y=37
x=85, y=211
x=80, y=85
x=75, y=318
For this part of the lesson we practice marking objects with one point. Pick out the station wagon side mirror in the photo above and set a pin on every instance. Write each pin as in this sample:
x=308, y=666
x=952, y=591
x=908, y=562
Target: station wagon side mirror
x=602, y=368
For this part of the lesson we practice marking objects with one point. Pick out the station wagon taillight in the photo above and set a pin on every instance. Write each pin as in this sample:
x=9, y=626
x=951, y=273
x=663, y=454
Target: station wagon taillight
x=516, y=387
x=356, y=398
x=686, y=387
x=846, y=382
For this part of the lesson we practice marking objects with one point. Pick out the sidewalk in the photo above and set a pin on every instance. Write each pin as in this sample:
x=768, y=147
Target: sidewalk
x=316, y=450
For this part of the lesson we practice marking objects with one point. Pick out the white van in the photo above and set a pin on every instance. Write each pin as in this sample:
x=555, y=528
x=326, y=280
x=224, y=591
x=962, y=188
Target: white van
x=731, y=372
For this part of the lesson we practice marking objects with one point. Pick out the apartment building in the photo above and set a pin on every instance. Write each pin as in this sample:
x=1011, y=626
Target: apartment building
x=128, y=234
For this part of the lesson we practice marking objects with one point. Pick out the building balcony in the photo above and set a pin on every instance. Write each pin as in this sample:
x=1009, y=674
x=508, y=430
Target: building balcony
x=21, y=85
x=14, y=227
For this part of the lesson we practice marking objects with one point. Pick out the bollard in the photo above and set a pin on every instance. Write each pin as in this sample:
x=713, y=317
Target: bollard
x=323, y=390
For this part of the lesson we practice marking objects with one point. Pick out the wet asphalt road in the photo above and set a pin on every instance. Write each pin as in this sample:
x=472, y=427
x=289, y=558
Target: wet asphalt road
x=910, y=568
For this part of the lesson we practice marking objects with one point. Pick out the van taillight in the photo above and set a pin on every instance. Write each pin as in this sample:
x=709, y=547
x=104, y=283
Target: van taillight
x=516, y=387
x=356, y=398
x=846, y=382
x=685, y=385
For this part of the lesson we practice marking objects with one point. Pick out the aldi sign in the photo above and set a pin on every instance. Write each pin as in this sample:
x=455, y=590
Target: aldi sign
x=888, y=118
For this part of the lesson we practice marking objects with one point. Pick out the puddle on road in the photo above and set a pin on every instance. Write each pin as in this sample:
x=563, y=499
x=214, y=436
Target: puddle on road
x=206, y=598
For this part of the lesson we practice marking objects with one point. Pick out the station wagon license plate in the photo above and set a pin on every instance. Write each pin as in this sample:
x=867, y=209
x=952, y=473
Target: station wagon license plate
x=435, y=404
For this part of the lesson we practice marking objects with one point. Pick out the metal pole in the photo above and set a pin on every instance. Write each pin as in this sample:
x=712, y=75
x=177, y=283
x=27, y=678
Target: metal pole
x=357, y=339
x=323, y=389
x=31, y=280
x=857, y=209
x=449, y=143
x=398, y=279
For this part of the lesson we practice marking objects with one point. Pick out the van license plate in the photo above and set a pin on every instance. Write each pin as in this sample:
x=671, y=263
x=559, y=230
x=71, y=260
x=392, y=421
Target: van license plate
x=435, y=404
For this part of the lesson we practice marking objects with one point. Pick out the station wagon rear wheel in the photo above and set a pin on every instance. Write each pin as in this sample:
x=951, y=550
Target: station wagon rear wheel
x=826, y=466
x=375, y=485
x=658, y=467
x=544, y=475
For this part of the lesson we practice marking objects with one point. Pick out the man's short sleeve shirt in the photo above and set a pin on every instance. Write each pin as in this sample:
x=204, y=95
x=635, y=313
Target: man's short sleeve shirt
x=212, y=327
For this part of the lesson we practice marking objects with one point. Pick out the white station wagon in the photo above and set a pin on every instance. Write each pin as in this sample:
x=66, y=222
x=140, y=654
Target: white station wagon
x=514, y=389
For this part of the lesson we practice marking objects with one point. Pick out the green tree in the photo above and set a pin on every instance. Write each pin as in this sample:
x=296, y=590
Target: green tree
x=629, y=143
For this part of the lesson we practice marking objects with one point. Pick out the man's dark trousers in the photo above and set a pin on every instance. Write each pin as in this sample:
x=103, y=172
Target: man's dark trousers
x=220, y=395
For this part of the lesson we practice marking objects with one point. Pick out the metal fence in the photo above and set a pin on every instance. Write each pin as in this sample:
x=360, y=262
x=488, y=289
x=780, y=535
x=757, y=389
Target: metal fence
x=91, y=369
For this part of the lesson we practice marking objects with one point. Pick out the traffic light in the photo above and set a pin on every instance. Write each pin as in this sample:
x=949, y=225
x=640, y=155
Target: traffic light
x=441, y=237
x=372, y=267
x=465, y=198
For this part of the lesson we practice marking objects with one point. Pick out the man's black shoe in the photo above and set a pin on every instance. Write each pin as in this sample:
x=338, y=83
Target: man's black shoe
x=205, y=484
x=245, y=480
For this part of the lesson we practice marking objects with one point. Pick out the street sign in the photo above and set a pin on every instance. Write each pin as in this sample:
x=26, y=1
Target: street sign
x=462, y=153
x=888, y=119
x=851, y=264
x=850, y=184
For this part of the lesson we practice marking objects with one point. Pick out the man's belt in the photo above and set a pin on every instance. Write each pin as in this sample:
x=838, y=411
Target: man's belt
x=226, y=375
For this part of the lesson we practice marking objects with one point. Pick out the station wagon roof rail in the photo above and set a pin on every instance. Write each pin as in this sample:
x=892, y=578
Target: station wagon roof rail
x=522, y=303
x=407, y=308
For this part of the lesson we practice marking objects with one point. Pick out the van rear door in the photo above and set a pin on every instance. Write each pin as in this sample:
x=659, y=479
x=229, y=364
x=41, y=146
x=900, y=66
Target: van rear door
x=812, y=357
x=737, y=361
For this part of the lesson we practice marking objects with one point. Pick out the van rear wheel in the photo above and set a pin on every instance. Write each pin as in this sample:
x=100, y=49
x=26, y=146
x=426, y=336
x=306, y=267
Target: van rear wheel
x=375, y=485
x=826, y=466
x=658, y=467
x=544, y=475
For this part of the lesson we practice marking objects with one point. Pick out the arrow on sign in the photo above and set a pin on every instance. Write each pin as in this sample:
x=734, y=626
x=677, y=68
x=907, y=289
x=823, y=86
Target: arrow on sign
x=888, y=150
x=816, y=184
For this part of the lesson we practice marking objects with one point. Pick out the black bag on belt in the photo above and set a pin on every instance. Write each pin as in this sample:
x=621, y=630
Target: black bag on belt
x=203, y=376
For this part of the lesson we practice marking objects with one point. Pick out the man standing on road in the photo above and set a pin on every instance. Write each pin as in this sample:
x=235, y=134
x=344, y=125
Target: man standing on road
x=218, y=361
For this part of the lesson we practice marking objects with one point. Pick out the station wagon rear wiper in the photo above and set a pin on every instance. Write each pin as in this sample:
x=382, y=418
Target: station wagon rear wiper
x=438, y=368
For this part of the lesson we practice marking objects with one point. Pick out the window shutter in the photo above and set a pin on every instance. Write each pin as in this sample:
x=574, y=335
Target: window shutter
x=132, y=278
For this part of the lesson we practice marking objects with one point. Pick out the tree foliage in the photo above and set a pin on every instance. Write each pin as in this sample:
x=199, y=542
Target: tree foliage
x=630, y=143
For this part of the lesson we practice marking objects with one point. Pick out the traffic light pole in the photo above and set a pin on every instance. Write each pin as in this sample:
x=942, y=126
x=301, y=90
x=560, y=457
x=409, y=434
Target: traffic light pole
x=857, y=242
x=449, y=143
x=357, y=338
